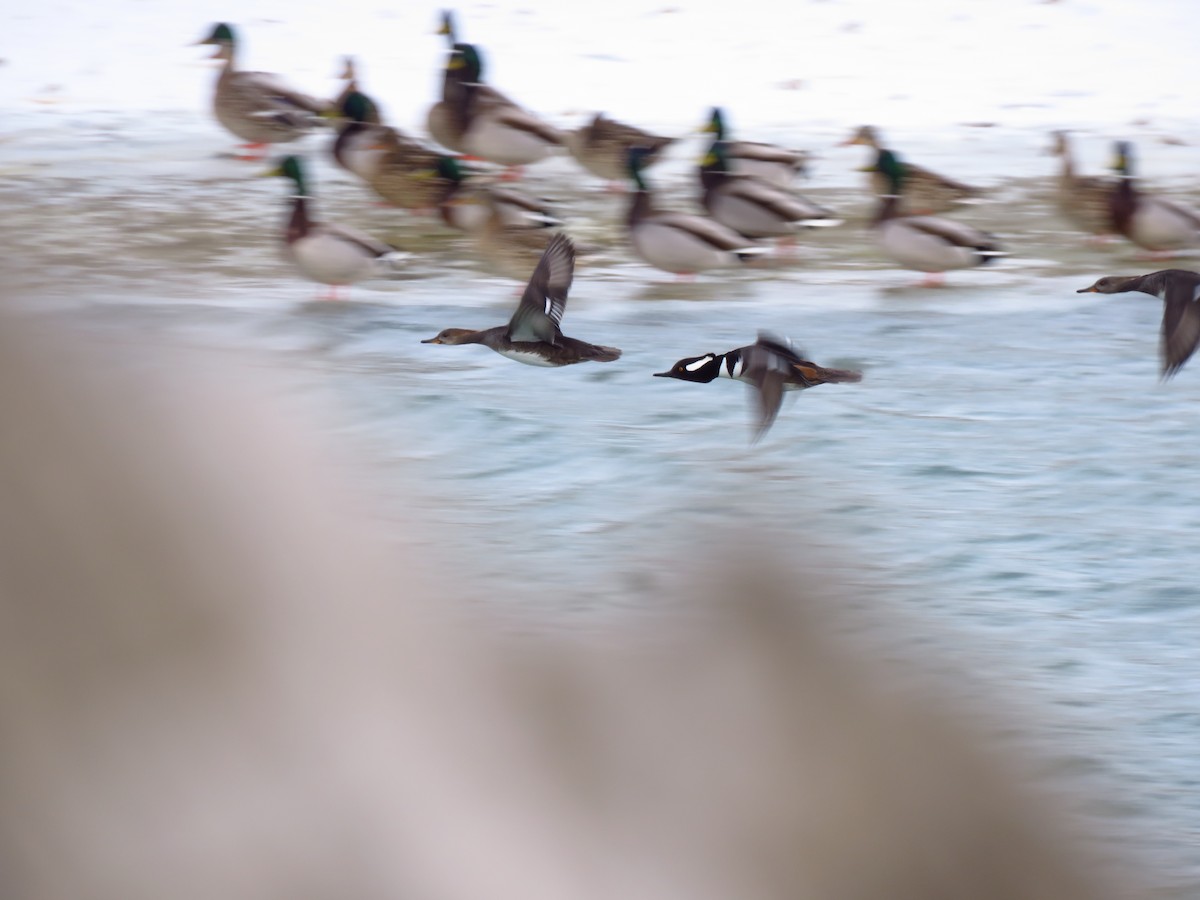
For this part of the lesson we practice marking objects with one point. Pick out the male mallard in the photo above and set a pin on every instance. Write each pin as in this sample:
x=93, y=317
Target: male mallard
x=924, y=191
x=1151, y=222
x=926, y=243
x=256, y=106
x=349, y=74
x=1179, y=290
x=400, y=170
x=770, y=162
x=1082, y=199
x=329, y=254
x=602, y=146
x=534, y=334
x=679, y=242
x=469, y=204
x=771, y=366
x=476, y=119
x=751, y=206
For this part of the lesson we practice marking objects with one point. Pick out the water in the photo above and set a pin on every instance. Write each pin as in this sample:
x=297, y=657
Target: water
x=1010, y=470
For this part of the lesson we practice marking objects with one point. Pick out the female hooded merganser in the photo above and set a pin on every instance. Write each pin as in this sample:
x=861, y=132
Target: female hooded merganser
x=327, y=253
x=928, y=244
x=771, y=366
x=533, y=336
x=1180, y=292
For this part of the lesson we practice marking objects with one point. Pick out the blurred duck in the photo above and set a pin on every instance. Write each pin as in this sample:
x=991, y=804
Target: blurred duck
x=397, y=168
x=534, y=334
x=475, y=119
x=1180, y=292
x=926, y=243
x=678, y=242
x=469, y=203
x=349, y=74
x=1154, y=224
x=751, y=206
x=1082, y=199
x=326, y=253
x=506, y=247
x=602, y=147
x=770, y=366
x=258, y=107
x=769, y=162
x=924, y=191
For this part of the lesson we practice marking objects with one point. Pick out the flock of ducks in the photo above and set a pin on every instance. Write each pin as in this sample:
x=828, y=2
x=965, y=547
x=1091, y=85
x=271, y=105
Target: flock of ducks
x=747, y=194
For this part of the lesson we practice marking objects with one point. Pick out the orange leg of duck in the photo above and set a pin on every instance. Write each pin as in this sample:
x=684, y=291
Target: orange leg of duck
x=513, y=173
x=251, y=152
x=933, y=279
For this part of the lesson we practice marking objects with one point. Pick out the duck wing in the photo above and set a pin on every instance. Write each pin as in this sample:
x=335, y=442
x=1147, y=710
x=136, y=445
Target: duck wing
x=362, y=241
x=952, y=232
x=767, y=365
x=1181, y=321
x=707, y=230
x=539, y=314
x=274, y=90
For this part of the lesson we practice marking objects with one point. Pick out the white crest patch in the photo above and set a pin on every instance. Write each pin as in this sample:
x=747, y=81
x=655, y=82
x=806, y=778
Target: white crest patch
x=699, y=364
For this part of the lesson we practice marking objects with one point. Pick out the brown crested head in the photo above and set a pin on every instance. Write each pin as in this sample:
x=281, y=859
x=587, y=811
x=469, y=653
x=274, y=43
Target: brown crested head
x=866, y=136
x=451, y=336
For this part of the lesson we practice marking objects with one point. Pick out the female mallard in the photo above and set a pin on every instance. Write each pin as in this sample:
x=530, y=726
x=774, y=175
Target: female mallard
x=924, y=191
x=1151, y=222
x=925, y=243
x=751, y=206
x=1082, y=199
x=328, y=254
x=770, y=162
x=679, y=242
x=602, y=146
x=256, y=106
x=505, y=247
x=475, y=119
x=1179, y=290
x=534, y=334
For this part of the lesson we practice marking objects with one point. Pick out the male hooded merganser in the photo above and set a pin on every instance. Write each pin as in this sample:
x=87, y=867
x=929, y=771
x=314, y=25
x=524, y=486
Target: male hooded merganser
x=770, y=365
x=1179, y=290
x=533, y=336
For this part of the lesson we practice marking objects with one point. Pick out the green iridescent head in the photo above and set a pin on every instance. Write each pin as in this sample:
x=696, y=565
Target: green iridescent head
x=221, y=34
x=448, y=168
x=716, y=123
x=889, y=165
x=289, y=167
x=1123, y=158
x=471, y=61
x=358, y=107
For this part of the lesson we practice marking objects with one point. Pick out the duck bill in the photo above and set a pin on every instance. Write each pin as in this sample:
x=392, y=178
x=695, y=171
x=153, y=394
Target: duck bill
x=1088, y=290
x=664, y=374
x=432, y=340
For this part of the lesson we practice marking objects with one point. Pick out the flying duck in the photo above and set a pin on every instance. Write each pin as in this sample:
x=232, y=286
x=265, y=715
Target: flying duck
x=534, y=335
x=771, y=366
x=1179, y=290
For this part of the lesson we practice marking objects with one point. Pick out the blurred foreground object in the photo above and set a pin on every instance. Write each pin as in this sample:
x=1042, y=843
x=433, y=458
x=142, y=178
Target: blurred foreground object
x=214, y=684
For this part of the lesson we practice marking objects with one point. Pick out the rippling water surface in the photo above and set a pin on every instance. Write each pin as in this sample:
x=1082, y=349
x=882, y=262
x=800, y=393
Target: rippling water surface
x=1010, y=466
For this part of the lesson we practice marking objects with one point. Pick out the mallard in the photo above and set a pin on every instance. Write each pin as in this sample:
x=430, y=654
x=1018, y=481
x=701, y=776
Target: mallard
x=767, y=161
x=469, y=203
x=349, y=74
x=1151, y=222
x=926, y=243
x=602, y=146
x=1082, y=199
x=770, y=366
x=256, y=106
x=534, y=334
x=401, y=170
x=751, y=206
x=325, y=253
x=679, y=242
x=478, y=120
x=1179, y=290
x=924, y=191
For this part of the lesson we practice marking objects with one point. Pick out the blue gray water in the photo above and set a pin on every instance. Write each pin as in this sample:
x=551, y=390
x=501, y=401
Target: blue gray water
x=1010, y=471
